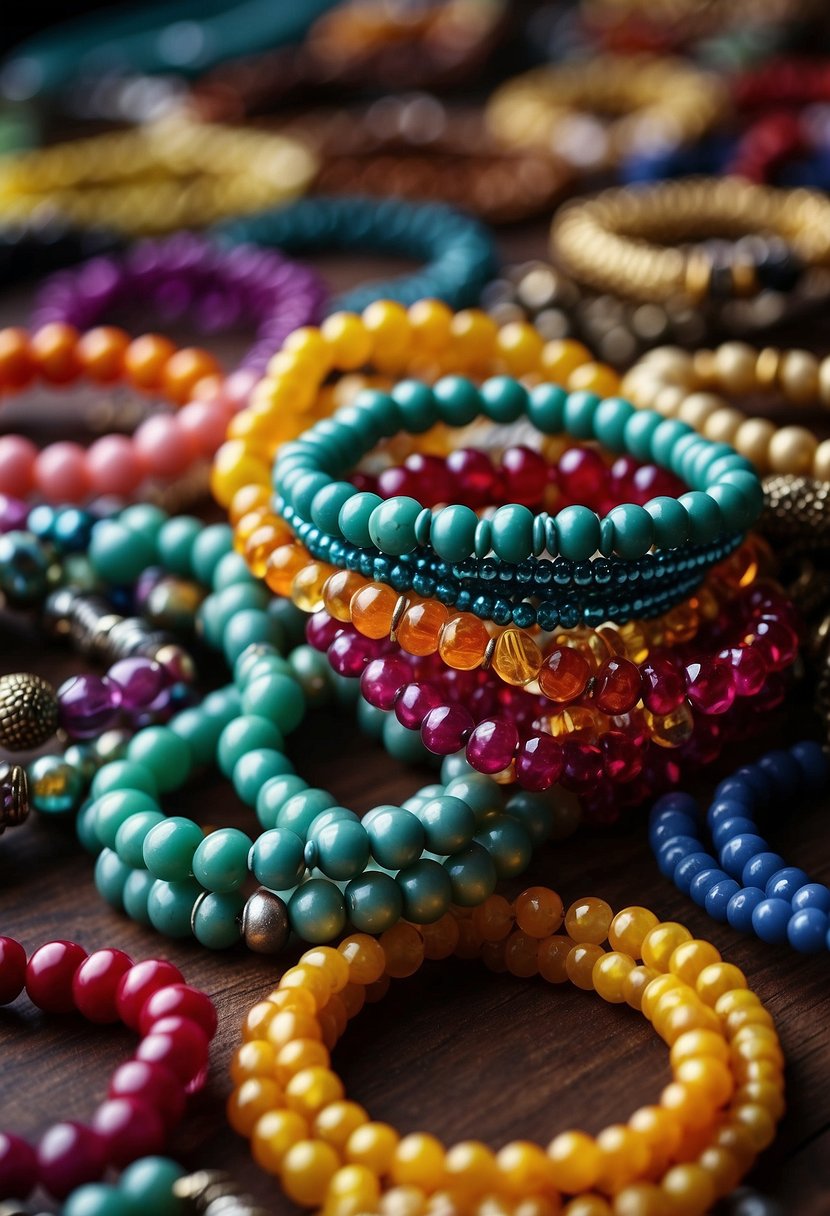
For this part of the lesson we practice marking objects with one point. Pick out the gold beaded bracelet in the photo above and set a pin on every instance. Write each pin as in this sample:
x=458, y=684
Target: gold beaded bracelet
x=688, y=387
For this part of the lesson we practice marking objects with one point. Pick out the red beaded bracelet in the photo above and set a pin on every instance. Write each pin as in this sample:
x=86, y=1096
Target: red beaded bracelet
x=146, y=1095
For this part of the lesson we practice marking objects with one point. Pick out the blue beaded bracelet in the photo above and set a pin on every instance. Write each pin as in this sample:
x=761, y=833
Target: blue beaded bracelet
x=726, y=496
x=747, y=885
x=458, y=252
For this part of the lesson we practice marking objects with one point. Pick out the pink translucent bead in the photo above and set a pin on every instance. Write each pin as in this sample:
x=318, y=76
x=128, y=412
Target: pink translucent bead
x=238, y=386
x=150, y=1083
x=321, y=630
x=17, y=465
x=492, y=745
x=350, y=652
x=414, y=701
x=62, y=473
x=749, y=669
x=68, y=1155
x=18, y=1167
x=663, y=686
x=776, y=642
x=203, y=425
x=445, y=729
x=710, y=686
x=539, y=763
x=129, y=1129
x=115, y=466
x=163, y=448
x=382, y=679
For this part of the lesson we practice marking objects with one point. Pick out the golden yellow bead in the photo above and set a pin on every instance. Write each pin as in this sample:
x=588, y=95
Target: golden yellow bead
x=690, y=1190
x=661, y=941
x=798, y=376
x=640, y=1199
x=390, y=329
x=308, y=978
x=430, y=321
x=539, y=912
x=516, y=658
x=365, y=957
x=493, y=919
x=725, y=1168
x=331, y=962
x=473, y=335
x=723, y=425
x=689, y=958
x=306, y=1171
x=656, y=989
x=234, y=467
x=684, y=1103
x=734, y=364
x=753, y=438
x=273, y=1135
x=580, y=964
x=297, y=1055
x=373, y=1145
x=561, y=358
x=312, y=348
x=292, y=1024
x=403, y=1201
x=551, y=958
x=352, y=1191
x=307, y=586
x=308, y=1091
x=718, y=978
x=636, y=983
x=258, y=1019
x=250, y=1100
x=345, y=335
x=609, y=976
x=660, y=1131
x=524, y=1169
x=698, y=1043
x=710, y=1077
x=255, y=1058
x=471, y=1167
x=519, y=345
x=623, y=1157
x=418, y=1161
x=576, y=1161
x=629, y=928
x=762, y=1093
x=587, y=1205
x=594, y=378
x=336, y=1122
x=588, y=920
x=248, y=499
x=821, y=461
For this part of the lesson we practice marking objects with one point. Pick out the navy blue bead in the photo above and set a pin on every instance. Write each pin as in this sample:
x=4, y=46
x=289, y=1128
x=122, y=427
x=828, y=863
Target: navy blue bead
x=738, y=851
x=812, y=895
x=725, y=829
x=668, y=824
x=783, y=770
x=717, y=900
x=688, y=868
x=727, y=808
x=673, y=850
x=703, y=882
x=770, y=920
x=676, y=801
x=760, y=868
x=741, y=906
x=784, y=883
x=807, y=930
x=815, y=766
x=754, y=778
x=735, y=789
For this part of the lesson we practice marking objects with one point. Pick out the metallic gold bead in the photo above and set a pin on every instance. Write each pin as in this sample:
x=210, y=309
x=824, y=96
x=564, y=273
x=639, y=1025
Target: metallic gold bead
x=265, y=925
x=14, y=796
x=28, y=711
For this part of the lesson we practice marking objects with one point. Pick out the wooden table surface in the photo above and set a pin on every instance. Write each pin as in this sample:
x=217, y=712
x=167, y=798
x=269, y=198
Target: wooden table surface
x=455, y=1050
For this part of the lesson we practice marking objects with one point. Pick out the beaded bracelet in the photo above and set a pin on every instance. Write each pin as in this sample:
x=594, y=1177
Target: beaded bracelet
x=687, y=387
x=718, y=1112
x=458, y=252
x=747, y=885
x=146, y=1096
x=726, y=495
x=188, y=273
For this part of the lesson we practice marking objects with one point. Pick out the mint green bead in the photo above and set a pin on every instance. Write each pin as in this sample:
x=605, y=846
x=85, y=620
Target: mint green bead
x=509, y=845
x=482, y=795
x=209, y=547
x=735, y=508
x=258, y=660
x=170, y=906
x=417, y=405
x=577, y=533
x=580, y=410
x=130, y=837
x=300, y=810
x=252, y=770
x=137, y=894
x=633, y=530
x=402, y=743
x=220, y=862
x=86, y=829
x=374, y=902
x=249, y=627
x=534, y=812
x=222, y=705
x=671, y=522
x=342, y=849
x=123, y=775
x=115, y=808
x=231, y=570
x=312, y=672
x=665, y=437
x=96, y=1199
x=170, y=846
x=218, y=610
x=303, y=490
x=175, y=544
x=199, y=731
x=546, y=408
x=144, y=518
x=326, y=506
x=317, y=911
x=512, y=532
x=458, y=400
x=164, y=753
x=392, y=525
x=148, y=1184
x=276, y=859
x=273, y=796
x=503, y=399
x=56, y=787
x=639, y=432
x=216, y=920
x=452, y=535
x=118, y=555
x=426, y=889
x=242, y=735
x=276, y=697
x=371, y=720
x=705, y=520
x=353, y=520
x=609, y=422
x=110, y=876
x=472, y=875
x=449, y=824
x=396, y=837
x=455, y=765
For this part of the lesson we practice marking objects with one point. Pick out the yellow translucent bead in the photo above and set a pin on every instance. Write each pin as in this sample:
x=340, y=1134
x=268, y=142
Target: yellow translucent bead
x=690, y=1190
x=580, y=964
x=250, y=1100
x=373, y=1145
x=493, y=919
x=762, y=1093
x=725, y=1168
x=234, y=467
x=403, y=948
x=248, y=499
x=661, y=941
x=331, y=962
x=690, y=958
x=516, y=658
x=310, y=344
x=737, y=1000
x=628, y=929
x=372, y=608
x=352, y=1191
x=307, y=586
x=660, y=1131
x=588, y=920
x=473, y=335
x=365, y=957
x=273, y=1135
x=338, y=591
x=261, y=544
x=635, y=984
x=675, y=1022
x=294, y=997
x=609, y=976
x=576, y=1160
x=672, y=729
x=256, y=1058
x=520, y=346
x=623, y=1157
x=683, y=1101
x=248, y=524
x=471, y=1167
x=308, y=1091
x=293, y=1024
x=441, y=937
x=711, y=1077
x=283, y=565
x=346, y=337
x=561, y=358
x=537, y=1205
x=551, y=958
x=310, y=979
x=656, y=988
x=640, y=1199
x=539, y=912
x=403, y=1201
x=699, y=1043
x=462, y=641
x=521, y=954
x=334, y=1019
x=758, y=1049
x=420, y=627
x=297, y=1055
x=594, y=378
x=258, y=1019
x=307, y=1169
x=524, y=1169
x=388, y=324
x=430, y=322
x=418, y=1160
x=715, y=980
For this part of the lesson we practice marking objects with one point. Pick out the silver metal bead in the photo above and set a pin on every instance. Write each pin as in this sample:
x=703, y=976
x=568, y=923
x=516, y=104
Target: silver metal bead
x=28, y=711
x=57, y=611
x=202, y=1187
x=265, y=924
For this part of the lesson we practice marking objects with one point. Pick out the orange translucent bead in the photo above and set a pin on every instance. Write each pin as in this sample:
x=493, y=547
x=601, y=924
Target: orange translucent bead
x=494, y=956
x=441, y=937
x=580, y=964
x=372, y=608
x=516, y=657
x=403, y=948
x=524, y=1168
x=686, y=1017
x=256, y=1058
x=689, y=959
x=282, y=567
x=293, y=1024
x=564, y=675
x=469, y=939
x=576, y=1161
x=635, y=985
x=609, y=976
x=561, y=357
x=17, y=365
x=717, y=979
x=145, y=360
x=473, y=335
x=520, y=346
x=250, y=1100
x=689, y=1189
x=463, y=641
x=493, y=919
x=588, y=920
x=261, y=544
x=640, y=1199
x=307, y=1169
x=635, y=639
x=297, y=1055
x=660, y=942
x=331, y=962
x=623, y=1157
x=672, y=729
x=183, y=371
x=725, y=1168
x=54, y=349
x=307, y=586
x=551, y=958
x=347, y=339
x=365, y=957
x=333, y=1020
x=587, y=1205
x=430, y=321
x=338, y=591
x=248, y=524
x=420, y=627
x=628, y=929
x=539, y=911
x=521, y=954
x=273, y=1135
x=418, y=1160
x=373, y=1145
x=101, y=353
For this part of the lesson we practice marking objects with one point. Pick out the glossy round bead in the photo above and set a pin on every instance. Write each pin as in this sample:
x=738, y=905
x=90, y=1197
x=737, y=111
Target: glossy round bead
x=588, y=920
x=50, y=975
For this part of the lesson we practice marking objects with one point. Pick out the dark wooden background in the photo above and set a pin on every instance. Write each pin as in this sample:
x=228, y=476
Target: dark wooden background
x=455, y=1050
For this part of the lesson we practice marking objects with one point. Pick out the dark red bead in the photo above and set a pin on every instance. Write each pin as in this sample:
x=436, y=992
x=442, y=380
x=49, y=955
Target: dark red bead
x=397, y=480
x=776, y=642
x=582, y=475
x=582, y=768
x=492, y=745
x=473, y=476
x=622, y=757
x=435, y=482
x=710, y=686
x=129, y=1129
x=524, y=475
x=18, y=1167
x=618, y=686
x=539, y=763
x=12, y=970
x=178, y=1044
x=749, y=670
x=70, y=1154
x=50, y=973
x=663, y=686
x=321, y=630
x=414, y=701
x=182, y=1001
x=139, y=984
x=151, y=1083
x=96, y=983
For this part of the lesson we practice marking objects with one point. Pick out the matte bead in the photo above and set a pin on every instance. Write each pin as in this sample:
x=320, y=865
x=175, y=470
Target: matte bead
x=578, y=533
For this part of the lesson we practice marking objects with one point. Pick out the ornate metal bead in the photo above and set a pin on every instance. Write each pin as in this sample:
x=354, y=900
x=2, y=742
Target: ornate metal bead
x=265, y=925
x=14, y=796
x=28, y=711
x=796, y=513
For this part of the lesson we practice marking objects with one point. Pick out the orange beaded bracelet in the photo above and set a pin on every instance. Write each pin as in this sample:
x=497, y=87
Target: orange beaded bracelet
x=671, y=1159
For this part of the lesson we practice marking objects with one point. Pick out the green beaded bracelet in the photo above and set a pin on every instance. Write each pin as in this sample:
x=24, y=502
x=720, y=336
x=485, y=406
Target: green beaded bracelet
x=725, y=496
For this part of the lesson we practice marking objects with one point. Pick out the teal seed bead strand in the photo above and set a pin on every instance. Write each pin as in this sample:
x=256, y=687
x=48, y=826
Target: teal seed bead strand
x=725, y=495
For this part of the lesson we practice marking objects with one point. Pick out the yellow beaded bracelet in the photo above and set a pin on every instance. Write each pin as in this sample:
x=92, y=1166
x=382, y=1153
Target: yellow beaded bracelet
x=673, y=1158
x=688, y=387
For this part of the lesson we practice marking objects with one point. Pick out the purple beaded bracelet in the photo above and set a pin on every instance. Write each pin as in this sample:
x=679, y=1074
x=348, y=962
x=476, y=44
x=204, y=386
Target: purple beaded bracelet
x=185, y=273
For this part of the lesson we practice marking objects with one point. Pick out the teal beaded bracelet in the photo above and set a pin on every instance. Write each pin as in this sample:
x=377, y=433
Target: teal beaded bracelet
x=725, y=498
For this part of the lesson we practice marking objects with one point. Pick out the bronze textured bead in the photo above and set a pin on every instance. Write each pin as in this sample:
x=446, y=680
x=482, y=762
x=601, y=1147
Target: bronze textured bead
x=265, y=926
x=796, y=512
x=28, y=711
x=14, y=795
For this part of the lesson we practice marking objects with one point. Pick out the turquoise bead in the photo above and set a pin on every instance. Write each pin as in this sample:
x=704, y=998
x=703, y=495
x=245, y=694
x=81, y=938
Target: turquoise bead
x=371, y=720
x=546, y=408
x=96, y=1199
x=452, y=535
x=273, y=796
x=55, y=786
x=332, y=814
x=509, y=845
x=456, y=765
x=249, y=627
x=374, y=902
x=680, y=449
x=708, y=459
x=86, y=829
x=610, y=418
x=215, y=921
x=448, y=823
x=276, y=697
x=735, y=508
x=458, y=400
x=144, y=518
x=118, y=554
x=175, y=544
x=381, y=406
x=327, y=504
x=136, y=896
x=113, y=809
x=512, y=532
x=200, y=731
x=671, y=522
x=580, y=411
x=220, y=862
x=130, y=837
x=482, y=795
x=732, y=463
x=312, y=672
x=170, y=906
x=148, y=1184
x=300, y=810
x=342, y=849
x=418, y=408
x=633, y=530
x=304, y=489
x=164, y=753
x=209, y=547
x=242, y=735
x=472, y=875
x=261, y=659
x=577, y=533
x=317, y=911
x=686, y=463
x=123, y=775
x=534, y=812
x=427, y=891
x=290, y=618
x=354, y=517
x=503, y=399
x=230, y=570
x=276, y=859
x=392, y=525
x=361, y=424
x=749, y=486
x=252, y=770
x=110, y=876
x=705, y=521
x=218, y=610
x=402, y=743
x=665, y=437
x=170, y=846
x=396, y=837
x=639, y=432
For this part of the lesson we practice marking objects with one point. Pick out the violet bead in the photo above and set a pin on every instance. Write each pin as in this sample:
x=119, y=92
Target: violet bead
x=414, y=701
x=382, y=678
x=139, y=680
x=13, y=513
x=492, y=745
x=539, y=763
x=445, y=729
x=87, y=705
x=68, y=1155
x=129, y=1129
x=18, y=1167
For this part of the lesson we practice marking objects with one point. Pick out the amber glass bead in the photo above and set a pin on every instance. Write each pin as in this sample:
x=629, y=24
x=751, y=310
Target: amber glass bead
x=419, y=1161
x=717, y=979
x=576, y=1161
x=577, y=722
x=494, y=918
x=255, y=1058
x=561, y=358
x=247, y=499
x=403, y=948
x=373, y=1145
x=564, y=674
x=420, y=627
x=372, y=608
x=609, y=976
x=594, y=378
x=298, y=1054
x=672, y=729
x=521, y=954
x=274, y=1134
x=551, y=957
x=516, y=657
x=430, y=321
x=463, y=641
x=365, y=957
x=580, y=964
x=524, y=1168
x=282, y=567
x=628, y=929
x=539, y=912
x=520, y=347
x=261, y=544
x=623, y=1157
x=473, y=334
x=306, y=1171
x=635, y=985
x=308, y=584
x=353, y=997
x=588, y=920
x=681, y=624
x=618, y=687
x=689, y=959
x=657, y=988
x=338, y=592
x=250, y=1100
x=248, y=524
x=441, y=937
